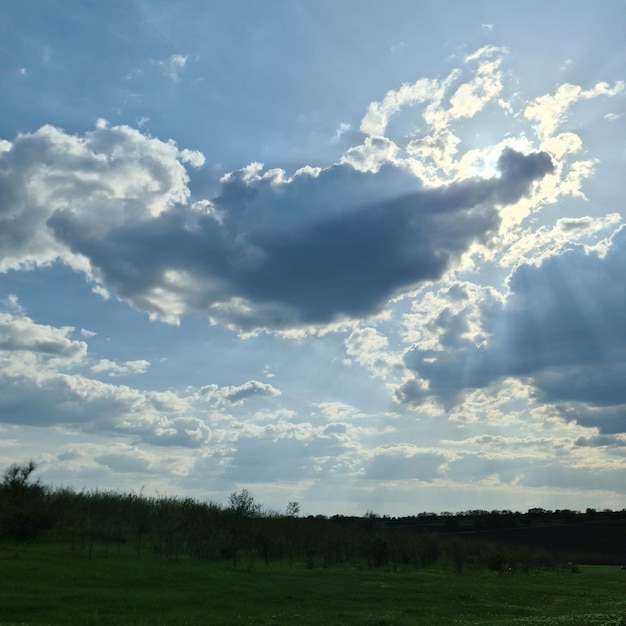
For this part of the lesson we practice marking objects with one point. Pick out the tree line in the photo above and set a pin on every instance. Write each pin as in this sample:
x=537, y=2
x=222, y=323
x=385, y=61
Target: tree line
x=103, y=523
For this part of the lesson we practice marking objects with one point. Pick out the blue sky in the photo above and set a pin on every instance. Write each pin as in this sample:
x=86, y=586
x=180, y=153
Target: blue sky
x=362, y=255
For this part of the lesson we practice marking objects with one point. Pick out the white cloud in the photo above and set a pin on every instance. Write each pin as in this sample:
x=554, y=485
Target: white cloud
x=341, y=130
x=113, y=368
x=173, y=65
x=237, y=395
x=423, y=90
x=20, y=334
x=549, y=111
x=469, y=97
x=611, y=117
x=486, y=51
x=37, y=388
x=369, y=348
x=340, y=412
x=111, y=176
x=534, y=245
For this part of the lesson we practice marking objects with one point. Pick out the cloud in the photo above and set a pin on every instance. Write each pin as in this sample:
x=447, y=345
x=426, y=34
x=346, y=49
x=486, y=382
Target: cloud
x=109, y=177
x=253, y=388
x=118, y=369
x=468, y=99
x=610, y=441
x=290, y=252
x=561, y=328
x=334, y=411
x=236, y=395
x=125, y=459
x=369, y=348
x=262, y=264
x=172, y=66
x=536, y=473
x=475, y=467
x=38, y=388
x=397, y=462
x=549, y=111
x=285, y=452
x=20, y=334
x=269, y=251
x=88, y=405
x=534, y=245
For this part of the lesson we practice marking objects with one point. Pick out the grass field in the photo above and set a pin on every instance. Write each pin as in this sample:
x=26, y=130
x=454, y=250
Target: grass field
x=46, y=585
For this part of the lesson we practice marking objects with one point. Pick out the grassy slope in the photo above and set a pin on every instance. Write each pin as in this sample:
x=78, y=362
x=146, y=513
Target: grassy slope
x=45, y=585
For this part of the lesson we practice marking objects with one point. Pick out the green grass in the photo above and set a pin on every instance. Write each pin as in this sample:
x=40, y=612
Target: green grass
x=46, y=585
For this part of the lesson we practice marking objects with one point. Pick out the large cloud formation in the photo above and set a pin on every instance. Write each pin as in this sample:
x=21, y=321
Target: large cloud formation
x=562, y=328
x=269, y=251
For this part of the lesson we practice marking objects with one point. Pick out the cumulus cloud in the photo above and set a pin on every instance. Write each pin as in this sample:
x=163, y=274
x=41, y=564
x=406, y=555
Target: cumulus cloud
x=20, y=334
x=91, y=406
x=270, y=250
x=38, y=388
x=561, y=328
x=109, y=177
x=112, y=368
x=281, y=252
x=338, y=257
x=236, y=395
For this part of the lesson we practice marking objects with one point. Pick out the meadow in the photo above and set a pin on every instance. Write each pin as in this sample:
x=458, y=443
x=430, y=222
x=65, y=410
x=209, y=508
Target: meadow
x=102, y=558
x=45, y=584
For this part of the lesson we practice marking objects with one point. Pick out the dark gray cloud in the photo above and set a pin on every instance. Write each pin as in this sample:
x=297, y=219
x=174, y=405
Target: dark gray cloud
x=562, y=328
x=608, y=420
x=609, y=441
x=311, y=250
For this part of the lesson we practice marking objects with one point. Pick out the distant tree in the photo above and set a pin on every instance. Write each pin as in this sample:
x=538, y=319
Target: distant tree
x=293, y=509
x=243, y=504
x=372, y=520
x=15, y=478
x=23, y=514
x=244, y=535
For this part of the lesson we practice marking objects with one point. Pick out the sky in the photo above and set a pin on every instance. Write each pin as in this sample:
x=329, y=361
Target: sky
x=362, y=255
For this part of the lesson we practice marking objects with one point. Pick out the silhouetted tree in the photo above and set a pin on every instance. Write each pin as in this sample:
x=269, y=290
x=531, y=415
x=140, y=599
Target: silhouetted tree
x=23, y=514
x=243, y=504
